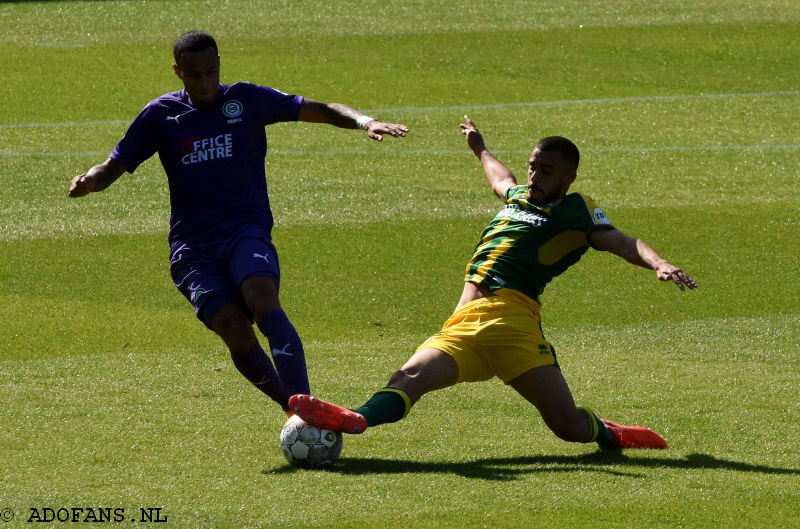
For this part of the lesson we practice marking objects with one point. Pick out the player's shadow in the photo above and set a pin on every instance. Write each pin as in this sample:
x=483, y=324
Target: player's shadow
x=507, y=469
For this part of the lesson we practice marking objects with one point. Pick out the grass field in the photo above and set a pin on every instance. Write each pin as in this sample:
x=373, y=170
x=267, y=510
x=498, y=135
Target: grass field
x=113, y=395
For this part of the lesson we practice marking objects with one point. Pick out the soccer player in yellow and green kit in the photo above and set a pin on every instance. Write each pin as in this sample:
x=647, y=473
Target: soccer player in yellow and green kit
x=496, y=327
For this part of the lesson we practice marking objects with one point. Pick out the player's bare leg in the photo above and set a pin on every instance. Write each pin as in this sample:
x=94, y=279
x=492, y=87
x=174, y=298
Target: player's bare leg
x=545, y=388
x=260, y=294
x=427, y=370
x=233, y=326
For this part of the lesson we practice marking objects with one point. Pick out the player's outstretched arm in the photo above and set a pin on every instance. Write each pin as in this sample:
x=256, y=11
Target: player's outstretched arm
x=499, y=176
x=638, y=252
x=97, y=178
x=345, y=117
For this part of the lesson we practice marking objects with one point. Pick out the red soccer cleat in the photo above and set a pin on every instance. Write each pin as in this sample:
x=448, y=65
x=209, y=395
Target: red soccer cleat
x=326, y=415
x=634, y=436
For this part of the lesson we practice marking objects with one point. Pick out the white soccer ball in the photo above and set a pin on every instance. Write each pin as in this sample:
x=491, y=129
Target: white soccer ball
x=307, y=446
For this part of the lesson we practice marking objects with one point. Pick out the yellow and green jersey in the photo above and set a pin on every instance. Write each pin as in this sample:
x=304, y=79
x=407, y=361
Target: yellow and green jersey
x=526, y=246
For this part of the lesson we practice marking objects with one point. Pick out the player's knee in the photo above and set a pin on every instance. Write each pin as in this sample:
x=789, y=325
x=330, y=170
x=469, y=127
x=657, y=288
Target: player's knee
x=402, y=377
x=426, y=371
x=261, y=295
x=260, y=306
x=235, y=330
x=409, y=381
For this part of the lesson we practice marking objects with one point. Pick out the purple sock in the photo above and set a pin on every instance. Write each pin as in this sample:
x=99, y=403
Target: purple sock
x=257, y=368
x=287, y=350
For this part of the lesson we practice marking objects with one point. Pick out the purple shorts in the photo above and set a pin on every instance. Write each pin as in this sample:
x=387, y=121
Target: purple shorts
x=210, y=273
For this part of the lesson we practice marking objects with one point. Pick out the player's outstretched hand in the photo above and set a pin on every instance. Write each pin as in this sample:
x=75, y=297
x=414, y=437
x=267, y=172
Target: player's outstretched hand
x=81, y=186
x=474, y=137
x=376, y=129
x=669, y=272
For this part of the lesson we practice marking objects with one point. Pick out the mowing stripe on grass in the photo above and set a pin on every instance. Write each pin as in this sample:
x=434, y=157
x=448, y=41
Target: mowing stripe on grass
x=32, y=154
x=599, y=101
x=65, y=124
x=565, y=102
x=404, y=152
x=668, y=148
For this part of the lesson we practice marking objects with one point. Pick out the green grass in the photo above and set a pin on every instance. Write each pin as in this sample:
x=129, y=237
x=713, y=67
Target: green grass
x=114, y=395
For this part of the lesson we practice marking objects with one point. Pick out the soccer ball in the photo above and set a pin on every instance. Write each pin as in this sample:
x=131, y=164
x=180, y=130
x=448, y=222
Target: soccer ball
x=307, y=446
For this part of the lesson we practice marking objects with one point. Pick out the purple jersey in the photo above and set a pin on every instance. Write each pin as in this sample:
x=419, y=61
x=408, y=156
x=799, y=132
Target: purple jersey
x=213, y=156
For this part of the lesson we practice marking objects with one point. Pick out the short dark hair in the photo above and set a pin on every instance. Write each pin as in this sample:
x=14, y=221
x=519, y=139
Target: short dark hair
x=563, y=146
x=194, y=40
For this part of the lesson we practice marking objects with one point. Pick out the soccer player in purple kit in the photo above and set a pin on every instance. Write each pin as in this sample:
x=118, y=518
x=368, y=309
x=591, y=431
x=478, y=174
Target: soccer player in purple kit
x=211, y=141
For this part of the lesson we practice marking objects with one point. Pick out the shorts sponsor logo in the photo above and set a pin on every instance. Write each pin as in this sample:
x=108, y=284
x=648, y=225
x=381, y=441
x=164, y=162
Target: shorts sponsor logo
x=265, y=257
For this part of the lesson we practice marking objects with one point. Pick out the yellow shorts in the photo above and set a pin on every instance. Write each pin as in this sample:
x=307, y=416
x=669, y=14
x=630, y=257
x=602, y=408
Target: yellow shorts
x=498, y=336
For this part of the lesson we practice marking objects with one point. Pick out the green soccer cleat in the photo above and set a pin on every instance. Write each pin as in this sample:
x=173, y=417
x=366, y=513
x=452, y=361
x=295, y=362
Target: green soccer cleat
x=634, y=436
x=326, y=415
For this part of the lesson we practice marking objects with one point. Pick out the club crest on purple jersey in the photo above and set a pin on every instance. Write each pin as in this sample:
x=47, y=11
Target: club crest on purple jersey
x=232, y=108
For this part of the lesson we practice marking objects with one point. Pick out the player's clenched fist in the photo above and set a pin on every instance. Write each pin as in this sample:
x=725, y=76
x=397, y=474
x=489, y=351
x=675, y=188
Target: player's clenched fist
x=81, y=186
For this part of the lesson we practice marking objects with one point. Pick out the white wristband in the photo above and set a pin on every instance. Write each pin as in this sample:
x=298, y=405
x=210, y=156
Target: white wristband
x=362, y=121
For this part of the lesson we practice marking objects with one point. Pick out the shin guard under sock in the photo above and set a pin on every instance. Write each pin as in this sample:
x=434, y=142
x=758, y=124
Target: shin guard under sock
x=387, y=405
x=257, y=368
x=287, y=350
